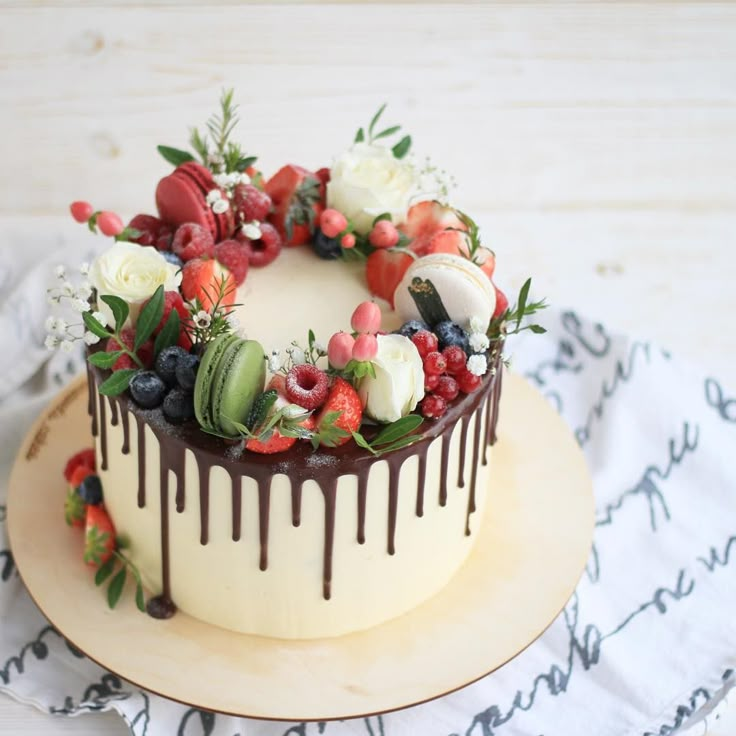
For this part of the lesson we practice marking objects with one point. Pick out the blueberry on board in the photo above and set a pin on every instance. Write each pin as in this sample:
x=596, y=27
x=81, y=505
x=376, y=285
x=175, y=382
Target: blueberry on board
x=186, y=371
x=147, y=389
x=324, y=247
x=178, y=406
x=166, y=363
x=90, y=490
x=410, y=328
x=172, y=258
x=450, y=333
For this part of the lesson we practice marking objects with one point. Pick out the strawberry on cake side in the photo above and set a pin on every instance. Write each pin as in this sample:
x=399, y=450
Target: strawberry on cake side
x=296, y=451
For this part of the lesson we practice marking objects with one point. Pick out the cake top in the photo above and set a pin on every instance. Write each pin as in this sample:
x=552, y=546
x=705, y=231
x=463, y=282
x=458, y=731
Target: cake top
x=406, y=322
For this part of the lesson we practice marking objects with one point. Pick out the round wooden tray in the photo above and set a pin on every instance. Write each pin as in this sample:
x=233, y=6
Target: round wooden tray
x=535, y=539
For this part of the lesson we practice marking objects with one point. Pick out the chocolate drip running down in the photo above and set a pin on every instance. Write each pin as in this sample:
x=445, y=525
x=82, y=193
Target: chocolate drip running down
x=209, y=451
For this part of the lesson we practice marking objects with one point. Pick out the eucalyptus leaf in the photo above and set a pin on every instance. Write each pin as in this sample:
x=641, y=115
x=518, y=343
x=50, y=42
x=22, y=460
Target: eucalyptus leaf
x=175, y=155
x=119, y=307
x=363, y=442
x=386, y=133
x=94, y=326
x=402, y=147
x=359, y=136
x=116, y=588
x=523, y=295
x=401, y=442
x=140, y=600
x=169, y=335
x=374, y=120
x=104, y=360
x=149, y=318
x=118, y=382
x=398, y=429
x=104, y=571
x=537, y=329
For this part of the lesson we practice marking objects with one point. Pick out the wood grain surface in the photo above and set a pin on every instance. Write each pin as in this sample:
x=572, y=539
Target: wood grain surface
x=595, y=143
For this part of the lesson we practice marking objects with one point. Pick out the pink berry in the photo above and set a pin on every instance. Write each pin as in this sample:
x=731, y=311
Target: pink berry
x=332, y=223
x=433, y=407
x=81, y=211
x=384, y=235
x=435, y=363
x=447, y=388
x=348, y=240
x=307, y=386
x=468, y=382
x=431, y=381
x=366, y=318
x=109, y=223
x=455, y=358
x=365, y=348
x=425, y=341
x=340, y=349
x=193, y=241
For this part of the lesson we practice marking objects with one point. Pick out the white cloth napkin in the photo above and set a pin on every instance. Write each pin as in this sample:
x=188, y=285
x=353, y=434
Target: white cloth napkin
x=647, y=644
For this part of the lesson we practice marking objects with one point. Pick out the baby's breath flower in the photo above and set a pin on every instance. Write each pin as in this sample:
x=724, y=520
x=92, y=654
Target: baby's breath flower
x=51, y=342
x=252, y=230
x=50, y=323
x=476, y=324
x=319, y=348
x=479, y=342
x=233, y=321
x=222, y=180
x=80, y=305
x=90, y=338
x=52, y=298
x=84, y=291
x=296, y=354
x=214, y=195
x=477, y=365
x=244, y=178
x=67, y=346
x=60, y=272
x=100, y=317
x=68, y=288
x=274, y=362
x=84, y=269
x=220, y=206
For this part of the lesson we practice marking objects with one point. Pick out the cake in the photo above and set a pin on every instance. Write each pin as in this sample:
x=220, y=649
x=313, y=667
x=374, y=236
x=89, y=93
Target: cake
x=246, y=473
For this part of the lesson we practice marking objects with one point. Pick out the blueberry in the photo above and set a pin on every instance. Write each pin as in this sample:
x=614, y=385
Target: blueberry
x=324, y=247
x=186, y=371
x=90, y=490
x=147, y=389
x=178, y=406
x=172, y=258
x=410, y=328
x=450, y=333
x=166, y=364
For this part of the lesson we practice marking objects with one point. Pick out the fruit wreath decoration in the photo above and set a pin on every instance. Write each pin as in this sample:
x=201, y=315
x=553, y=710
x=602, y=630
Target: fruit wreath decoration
x=157, y=306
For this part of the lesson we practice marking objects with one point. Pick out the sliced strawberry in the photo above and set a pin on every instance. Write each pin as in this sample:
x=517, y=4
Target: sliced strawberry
x=203, y=279
x=99, y=536
x=343, y=401
x=277, y=442
x=84, y=457
x=298, y=197
x=448, y=241
x=424, y=220
x=384, y=269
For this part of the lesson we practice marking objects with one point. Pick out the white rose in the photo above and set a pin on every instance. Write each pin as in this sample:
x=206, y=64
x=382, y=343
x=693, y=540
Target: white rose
x=133, y=273
x=399, y=383
x=368, y=180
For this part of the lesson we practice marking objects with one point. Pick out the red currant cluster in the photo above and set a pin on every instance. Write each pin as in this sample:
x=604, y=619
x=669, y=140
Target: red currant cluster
x=445, y=374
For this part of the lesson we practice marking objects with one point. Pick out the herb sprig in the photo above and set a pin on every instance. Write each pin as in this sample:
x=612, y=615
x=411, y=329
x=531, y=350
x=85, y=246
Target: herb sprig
x=399, y=150
x=120, y=562
x=205, y=324
x=510, y=322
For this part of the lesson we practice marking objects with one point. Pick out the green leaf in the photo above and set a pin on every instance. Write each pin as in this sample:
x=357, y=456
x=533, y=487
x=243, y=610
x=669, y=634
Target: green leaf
x=169, y=335
x=116, y=588
x=374, y=120
x=140, y=600
x=94, y=326
x=386, y=133
x=104, y=360
x=118, y=382
x=119, y=307
x=537, y=329
x=401, y=442
x=402, y=147
x=149, y=318
x=104, y=572
x=244, y=162
x=362, y=442
x=397, y=429
x=521, y=306
x=261, y=408
x=359, y=136
x=382, y=216
x=174, y=155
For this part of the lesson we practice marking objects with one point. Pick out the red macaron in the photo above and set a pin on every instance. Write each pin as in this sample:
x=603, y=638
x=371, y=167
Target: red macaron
x=182, y=197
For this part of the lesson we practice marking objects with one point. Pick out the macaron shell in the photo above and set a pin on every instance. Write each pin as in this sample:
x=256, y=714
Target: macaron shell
x=179, y=200
x=463, y=287
x=202, y=178
x=205, y=380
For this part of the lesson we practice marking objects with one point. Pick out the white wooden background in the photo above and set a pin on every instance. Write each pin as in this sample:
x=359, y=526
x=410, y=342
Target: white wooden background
x=595, y=143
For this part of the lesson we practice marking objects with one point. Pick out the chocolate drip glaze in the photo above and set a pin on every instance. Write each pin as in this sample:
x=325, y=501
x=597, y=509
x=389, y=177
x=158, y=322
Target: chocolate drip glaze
x=496, y=400
x=350, y=459
x=103, y=432
x=125, y=418
x=113, y=411
x=92, y=402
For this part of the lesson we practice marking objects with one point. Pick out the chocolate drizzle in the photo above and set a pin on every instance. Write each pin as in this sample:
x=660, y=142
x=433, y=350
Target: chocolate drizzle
x=208, y=451
x=113, y=411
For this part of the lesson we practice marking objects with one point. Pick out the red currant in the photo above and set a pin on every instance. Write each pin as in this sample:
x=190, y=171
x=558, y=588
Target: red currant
x=468, y=382
x=447, y=388
x=433, y=407
x=431, y=380
x=455, y=358
x=435, y=363
x=426, y=342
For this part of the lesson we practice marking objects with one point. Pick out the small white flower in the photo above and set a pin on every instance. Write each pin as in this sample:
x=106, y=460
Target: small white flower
x=476, y=324
x=297, y=355
x=274, y=362
x=319, y=347
x=252, y=230
x=61, y=327
x=215, y=159
x=202, y=319
x=52, y=298
x=51, y=342
x=68, y=288
x=477, y=365
x=214, y=195
x=222, y=180
x=80, y=305
x=60, y=272
x=84, y=291
x=220, y=206
x=101, y=318
x=50, y=323
x=233, y=321
x=90, y=338
x=84, y=269
x=244, y=178
x=293, y=411
x=479, y=342
x=67, y=346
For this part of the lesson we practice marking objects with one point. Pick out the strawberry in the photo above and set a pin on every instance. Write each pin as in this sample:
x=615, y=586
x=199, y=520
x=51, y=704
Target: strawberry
x=205, y=279
x=298, y=197
x=145, y=352
x=343, y=410
x=448, y=241
x=424, y=220
x=99, y=536
x=502, y=302
x=80, y=473
x=84, y=458
x=384, y=269
x=172, y=302
x=277, y=442
x=234, y=256
x=250, y=203
x=75, y=511
x=323, y=174
x=485, y=259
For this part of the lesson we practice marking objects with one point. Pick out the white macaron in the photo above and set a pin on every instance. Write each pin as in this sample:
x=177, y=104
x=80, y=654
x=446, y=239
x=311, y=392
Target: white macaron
x=464, y=289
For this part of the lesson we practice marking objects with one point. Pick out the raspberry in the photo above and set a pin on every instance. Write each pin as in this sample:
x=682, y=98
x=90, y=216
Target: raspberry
x=164, y=238
x=81, y=211
x=234, y=256
x=366, y=318
x=455, y=358
x=149, y=228
x=468, y=382
x=384, y=235
x=435, y=363
x=193, y=241
x=145, y=352
x=431, y=381
x=307, y=386
x=332, y=223
x=433, y=407
x=425, y=341
x=109, y=223
x=266, y=249
x=447, y=388
x=250, y=203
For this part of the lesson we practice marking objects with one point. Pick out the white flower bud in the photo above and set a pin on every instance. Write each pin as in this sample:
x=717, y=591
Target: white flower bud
x=60, y=272
x=67, y=346
x=274, y=362
x=477, y=365
x=50, y=323
x=90, y=338
x=220, y=206
x=476, y=324
x=252, y=230
x=214, y=195
x=80, y=305
x=101, y=318
x=479, y=342
x=51, y=342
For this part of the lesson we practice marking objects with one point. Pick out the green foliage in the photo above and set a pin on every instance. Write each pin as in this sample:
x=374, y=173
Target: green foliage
x=372, y=135
x=510, y=322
